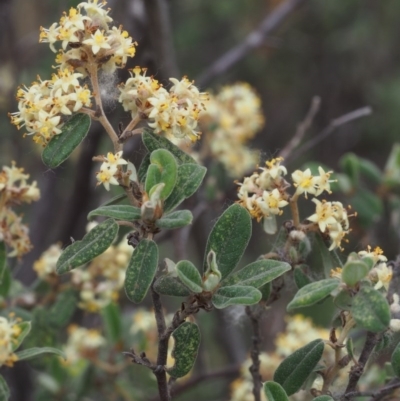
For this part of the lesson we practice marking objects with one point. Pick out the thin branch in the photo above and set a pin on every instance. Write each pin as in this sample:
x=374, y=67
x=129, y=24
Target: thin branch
x=357, y=370
x=302, y=128
x=375, y=395
x=255, y=39
x=254, y=369
x=334, y=124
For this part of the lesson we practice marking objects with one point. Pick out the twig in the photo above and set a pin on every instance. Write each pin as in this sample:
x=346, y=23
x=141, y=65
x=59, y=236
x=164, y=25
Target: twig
x=302, y=128
x=334, y=124
x=255, y=39
x=357, y=370
x=375, y=395
x=254, y=369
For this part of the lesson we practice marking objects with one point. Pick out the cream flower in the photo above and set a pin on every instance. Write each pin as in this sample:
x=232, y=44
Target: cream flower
x=97, y=41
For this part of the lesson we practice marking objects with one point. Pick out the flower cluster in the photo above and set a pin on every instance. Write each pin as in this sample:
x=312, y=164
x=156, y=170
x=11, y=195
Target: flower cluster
x=263, y=194
x=305, y=182
x=332, y=219
x=109, y=170
x=82, y=344
x=45, y=105
x=89, y=37
x=232, y=117
x=45, y=266
x=15, y=189
x=299, y=332
x=175, y=112
x=9, y=334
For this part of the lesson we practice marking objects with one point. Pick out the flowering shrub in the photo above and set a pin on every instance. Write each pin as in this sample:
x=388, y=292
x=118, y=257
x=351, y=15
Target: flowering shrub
x=358, y=291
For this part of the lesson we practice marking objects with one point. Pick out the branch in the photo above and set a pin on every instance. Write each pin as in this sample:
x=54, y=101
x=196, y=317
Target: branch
x=255, y=39
x=302, y=128
x=334, y=124
x=254, y=369
x=357, y=370
x=375, y=395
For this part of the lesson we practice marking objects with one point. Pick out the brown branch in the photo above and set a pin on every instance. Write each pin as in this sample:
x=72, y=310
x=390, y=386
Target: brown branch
x=357, y=370
x=255, y=39
x=302, y=128
x=331, y=128
x=254, y=369
x=375, y=395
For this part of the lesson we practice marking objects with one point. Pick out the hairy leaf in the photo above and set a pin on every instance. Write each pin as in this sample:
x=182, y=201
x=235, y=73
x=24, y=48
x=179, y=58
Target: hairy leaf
x=177, y=219
x=141, y=270
x=171, y=286
x=61, y=146
x=275, y=392
x=235, y=295
x=189, y=276
x=119, y=212
x=93, y=244
x=187, y=341
x=36, y=351
x=354, y=271
x=229, y=238
x=294, y=370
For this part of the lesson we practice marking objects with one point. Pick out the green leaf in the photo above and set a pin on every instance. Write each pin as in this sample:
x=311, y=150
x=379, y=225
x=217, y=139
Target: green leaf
x=329, y=259
x=62, y=310
x=371, y=171
x=4, y=390
x=294, y=370
x=229, y=238
x=274, y=392
x=141, y=270
x=354, y=271
x=189, y=276
x=61, y=146
x=93, y=244
x=177, y=219
x=142, y=172
x=115, y=199
x=396, y=360
x=370, y=310
x=368, y=205
x=5, y=275
x=36, y=351
x=190, y=177
x=171, y=286
x=350, y=164
x=323, y=398
x=350, y=347
x=163, y=169
x=111, y=315
x=392, y=168
x=25, y=328
x=236, y=295
x=265, y=291
x=187, y=341
x=343, y=300
x=300, y=278
x=257, y=274
x=119, y=212
x=312, y=293
x=154, y=142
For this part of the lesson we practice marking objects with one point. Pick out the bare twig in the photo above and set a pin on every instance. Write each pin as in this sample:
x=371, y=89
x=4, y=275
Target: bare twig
x=375, y=395
x=357, y=370
x=302, y=128
x=255, y=39
x=254, y=315
x=334, y=124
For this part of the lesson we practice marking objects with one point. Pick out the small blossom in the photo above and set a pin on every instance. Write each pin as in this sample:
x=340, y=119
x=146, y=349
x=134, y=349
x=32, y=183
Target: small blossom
x=381, y=275
x=376, y=255
x=97, y=41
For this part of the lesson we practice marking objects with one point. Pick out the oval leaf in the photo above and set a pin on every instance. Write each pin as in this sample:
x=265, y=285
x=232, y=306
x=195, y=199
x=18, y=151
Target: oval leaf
x=294, y=370
x=163, y=169
x=258, y=273
x=190, y=177
x=396, y=360
x=274, y=392
x=154, y=142
x=61, y=146
x=187, y=341
x=236, y=295
x=177, y=219
x=141, y=270
x=189, y=276
x=229, y=238
x=300, y=278
x=354, y=271
x=170, y=285
x=36, y=351
x=93, y=244
x=119, y=212
x=370, y=310
x=313, y=293
x=4, y=390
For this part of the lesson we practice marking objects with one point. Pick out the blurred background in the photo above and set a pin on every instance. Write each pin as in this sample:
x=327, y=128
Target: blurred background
x=344, y=52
